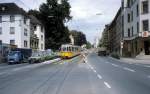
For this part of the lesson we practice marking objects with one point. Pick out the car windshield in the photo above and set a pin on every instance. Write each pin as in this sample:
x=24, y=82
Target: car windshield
x=13, y=53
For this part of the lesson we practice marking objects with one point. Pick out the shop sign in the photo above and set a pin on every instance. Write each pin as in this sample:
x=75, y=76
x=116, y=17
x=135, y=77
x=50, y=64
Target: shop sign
x=145, y=34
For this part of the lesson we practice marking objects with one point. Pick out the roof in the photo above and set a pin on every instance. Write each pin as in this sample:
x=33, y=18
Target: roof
x=11, y=8
x=117, y=15
x=34, y=20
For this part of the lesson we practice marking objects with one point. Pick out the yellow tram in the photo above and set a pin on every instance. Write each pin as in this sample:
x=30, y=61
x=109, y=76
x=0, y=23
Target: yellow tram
x=69, y=51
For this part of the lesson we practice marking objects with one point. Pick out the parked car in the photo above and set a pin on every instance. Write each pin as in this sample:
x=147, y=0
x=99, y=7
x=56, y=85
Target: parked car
x=18, y=55
x=102, y=51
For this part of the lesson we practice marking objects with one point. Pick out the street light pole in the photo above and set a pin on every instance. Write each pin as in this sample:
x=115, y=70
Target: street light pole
x=99, y=14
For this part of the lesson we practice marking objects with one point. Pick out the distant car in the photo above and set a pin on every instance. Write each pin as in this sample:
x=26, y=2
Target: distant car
x=102, y=53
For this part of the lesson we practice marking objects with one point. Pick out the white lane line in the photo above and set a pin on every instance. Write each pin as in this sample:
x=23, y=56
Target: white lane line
x=107, y=62
x=94, y=71
x=148, y=76
x=128, y=69
x=115, y=65
x=92, y=68
x=89, y=65
x=147, y=66
x=99, y=76
x=108, y=86
x=2, y=73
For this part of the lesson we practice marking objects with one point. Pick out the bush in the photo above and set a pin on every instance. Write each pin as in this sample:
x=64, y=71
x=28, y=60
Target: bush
x=115, y=55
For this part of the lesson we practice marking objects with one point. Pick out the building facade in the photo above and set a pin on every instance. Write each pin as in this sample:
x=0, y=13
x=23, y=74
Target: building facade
x=19, y=28
x=136, y=27
x=14, y=25
x=37, y=38
x=129, y=32
x=104, y=41
x=112, y=35
x=40, y=32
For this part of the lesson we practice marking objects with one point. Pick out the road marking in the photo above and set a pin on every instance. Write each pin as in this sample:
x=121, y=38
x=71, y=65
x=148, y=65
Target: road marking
x=115, y=65
x=94, y=71
x=148, y=76
x=91, y=67
x=128, y=69
x=2, y=73
x=99, y=76
x=107, y=62
x=147, y=66
x=107, y=84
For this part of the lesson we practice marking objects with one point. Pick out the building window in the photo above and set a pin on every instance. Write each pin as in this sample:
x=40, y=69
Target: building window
x=145, y=25
x=123, y=26
x=35, y=28
x=128, y=17
x=12, y=42
x=42, y=37
x=12, y=18
x=3, y=8
x=0, y=42
x=137, y=10
x=137, y=27
x=0, y=30
x=145, y=7
x=132, y=31
x=122, y=4
x=41, y=46
x=25, y=32
x=128, y=32
x=132, y=2
x=128, y=3
x=132, y=16
x=25, y=43
x=0, y=19
x=25, y=20
x=12, y=30
x=42, y=29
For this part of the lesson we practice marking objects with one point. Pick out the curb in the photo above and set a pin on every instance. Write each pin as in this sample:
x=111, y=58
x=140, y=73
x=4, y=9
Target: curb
x=52, y=61
x=134, y=61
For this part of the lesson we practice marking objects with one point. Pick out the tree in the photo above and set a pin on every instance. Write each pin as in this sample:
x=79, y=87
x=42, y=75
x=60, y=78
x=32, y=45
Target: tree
x=79, y=37
x=54, y=15
x=88, y=45
x=35, y=13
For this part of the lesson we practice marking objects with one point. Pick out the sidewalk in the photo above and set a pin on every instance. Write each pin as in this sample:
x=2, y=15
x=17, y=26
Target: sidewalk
x=131, y=60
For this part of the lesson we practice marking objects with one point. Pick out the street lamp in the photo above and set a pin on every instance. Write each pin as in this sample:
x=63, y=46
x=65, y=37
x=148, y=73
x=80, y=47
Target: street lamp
x=99, y=14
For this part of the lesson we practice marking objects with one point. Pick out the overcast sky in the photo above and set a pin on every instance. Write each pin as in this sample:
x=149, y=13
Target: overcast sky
x=84, y=14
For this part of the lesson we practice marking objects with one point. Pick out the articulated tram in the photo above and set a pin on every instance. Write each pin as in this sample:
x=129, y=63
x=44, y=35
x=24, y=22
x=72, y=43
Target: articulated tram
x=69, y=51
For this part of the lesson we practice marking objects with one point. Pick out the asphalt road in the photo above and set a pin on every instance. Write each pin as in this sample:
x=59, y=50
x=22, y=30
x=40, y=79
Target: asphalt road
x=99, y=75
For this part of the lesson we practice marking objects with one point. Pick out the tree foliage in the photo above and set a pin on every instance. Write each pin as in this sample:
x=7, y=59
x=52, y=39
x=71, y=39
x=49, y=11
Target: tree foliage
x=88, y=45
x=79, y=37
x=54, y=15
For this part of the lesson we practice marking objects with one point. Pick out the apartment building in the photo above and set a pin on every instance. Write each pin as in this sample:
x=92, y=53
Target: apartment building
x=14, y=25
x=112, y=35
x=104, y=40
x=37, y=41
x=129, y=32
x=136, y=27
x=40, y=32
x=20, y=29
